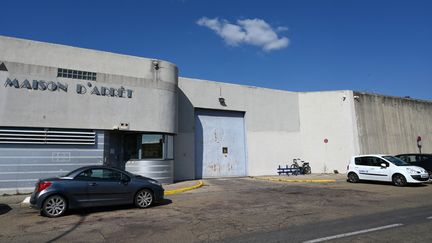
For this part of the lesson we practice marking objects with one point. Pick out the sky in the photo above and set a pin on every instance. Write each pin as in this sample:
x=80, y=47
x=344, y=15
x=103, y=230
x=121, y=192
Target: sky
x=377, y=46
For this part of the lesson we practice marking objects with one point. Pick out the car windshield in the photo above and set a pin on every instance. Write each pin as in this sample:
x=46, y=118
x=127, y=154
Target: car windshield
x=396, y=161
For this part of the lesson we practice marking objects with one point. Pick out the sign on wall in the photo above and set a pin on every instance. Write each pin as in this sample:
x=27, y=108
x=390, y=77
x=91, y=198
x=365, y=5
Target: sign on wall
x=88, y=88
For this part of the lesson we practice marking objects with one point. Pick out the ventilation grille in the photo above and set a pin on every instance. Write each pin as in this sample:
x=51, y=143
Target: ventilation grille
x=76, y=74
x=46, y=136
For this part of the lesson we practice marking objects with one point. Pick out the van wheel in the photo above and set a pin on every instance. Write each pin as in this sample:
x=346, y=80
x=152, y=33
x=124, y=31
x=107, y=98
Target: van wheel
x=399, y=180
x=353, y=177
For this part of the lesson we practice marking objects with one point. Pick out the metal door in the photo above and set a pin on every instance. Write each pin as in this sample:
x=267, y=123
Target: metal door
x=220, y=149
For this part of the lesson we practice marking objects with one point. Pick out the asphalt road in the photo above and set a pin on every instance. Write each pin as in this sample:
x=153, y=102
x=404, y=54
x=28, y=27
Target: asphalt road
x=243, y=210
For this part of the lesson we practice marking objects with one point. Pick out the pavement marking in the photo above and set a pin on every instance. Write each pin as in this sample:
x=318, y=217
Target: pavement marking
x=353, y=233
x=292, y=180
x=429, y=217
x=26, y=200
x=175, y=191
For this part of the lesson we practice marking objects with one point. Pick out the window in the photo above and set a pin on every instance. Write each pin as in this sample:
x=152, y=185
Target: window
x=139, y=146
x=369, y=161
x=169, y=145
x=152, y=146
x=362, y=161
x=377, y=162
x=396, y=161
x=101, y=174
x=76, y=74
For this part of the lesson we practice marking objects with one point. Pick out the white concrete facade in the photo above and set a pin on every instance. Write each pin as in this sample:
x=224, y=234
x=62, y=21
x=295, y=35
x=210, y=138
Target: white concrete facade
x=271, y=117
x=153, y=91
x=279, y=125
x=328, y=115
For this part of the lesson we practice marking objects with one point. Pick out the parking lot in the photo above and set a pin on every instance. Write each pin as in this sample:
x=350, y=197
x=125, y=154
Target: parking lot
x=243, y=210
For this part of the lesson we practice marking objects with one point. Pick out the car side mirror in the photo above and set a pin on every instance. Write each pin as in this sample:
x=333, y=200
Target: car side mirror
x=383, y=165
x=125, y=180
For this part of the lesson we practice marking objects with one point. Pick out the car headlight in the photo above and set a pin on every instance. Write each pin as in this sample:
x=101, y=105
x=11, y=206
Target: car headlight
x=412, y=171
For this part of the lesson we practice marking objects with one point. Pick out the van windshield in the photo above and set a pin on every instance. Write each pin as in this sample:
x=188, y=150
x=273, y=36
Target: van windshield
x=396, y=161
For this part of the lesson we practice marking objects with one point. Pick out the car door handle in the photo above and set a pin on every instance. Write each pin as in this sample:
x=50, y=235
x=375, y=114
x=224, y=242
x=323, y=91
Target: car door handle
x=92, y=184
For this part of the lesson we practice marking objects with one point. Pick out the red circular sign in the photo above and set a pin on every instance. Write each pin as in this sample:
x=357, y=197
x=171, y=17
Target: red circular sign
x=325, y=140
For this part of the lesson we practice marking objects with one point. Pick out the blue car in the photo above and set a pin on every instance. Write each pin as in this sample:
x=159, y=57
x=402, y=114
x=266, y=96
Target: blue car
x=94, y=186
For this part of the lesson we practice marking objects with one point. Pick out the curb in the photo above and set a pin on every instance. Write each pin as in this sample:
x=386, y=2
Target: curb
x=295, y=180
x=26, y=200
x=175, y=191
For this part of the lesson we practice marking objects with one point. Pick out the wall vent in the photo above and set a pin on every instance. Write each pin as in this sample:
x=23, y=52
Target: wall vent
x=76, y=74
x=46, y=136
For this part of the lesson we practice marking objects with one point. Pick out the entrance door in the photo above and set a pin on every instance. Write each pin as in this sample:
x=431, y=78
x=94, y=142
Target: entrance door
x=121, y=147
x=220, y=149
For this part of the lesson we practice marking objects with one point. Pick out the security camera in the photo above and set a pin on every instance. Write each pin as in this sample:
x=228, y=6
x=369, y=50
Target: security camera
x=156, y=65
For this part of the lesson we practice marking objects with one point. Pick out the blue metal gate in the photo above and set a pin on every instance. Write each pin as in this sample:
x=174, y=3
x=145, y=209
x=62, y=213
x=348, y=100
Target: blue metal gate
x=220, y=149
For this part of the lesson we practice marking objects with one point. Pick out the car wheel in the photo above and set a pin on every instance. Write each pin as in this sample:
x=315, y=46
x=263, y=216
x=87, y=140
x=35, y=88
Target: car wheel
x=399, y=180
x=144, y=198
x=353, y=177
x=54, y=206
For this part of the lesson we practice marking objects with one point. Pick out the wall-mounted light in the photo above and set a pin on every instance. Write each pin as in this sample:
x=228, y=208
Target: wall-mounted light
x=222, y=101
x=156, y=65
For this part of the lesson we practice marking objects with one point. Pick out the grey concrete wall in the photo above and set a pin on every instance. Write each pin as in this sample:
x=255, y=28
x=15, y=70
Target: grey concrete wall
x=271, y=117
x=390, y=125
x=153, y=105
x=328, y=115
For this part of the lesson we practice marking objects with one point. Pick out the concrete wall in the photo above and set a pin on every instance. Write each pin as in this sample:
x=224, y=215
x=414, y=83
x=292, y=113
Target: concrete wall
x=328, y=115
x=390, y=125
x=152, y=107
x=271, y=117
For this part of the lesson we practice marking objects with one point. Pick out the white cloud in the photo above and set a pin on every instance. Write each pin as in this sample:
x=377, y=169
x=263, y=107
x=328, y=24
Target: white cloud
x=255, y=32
x=281, y=29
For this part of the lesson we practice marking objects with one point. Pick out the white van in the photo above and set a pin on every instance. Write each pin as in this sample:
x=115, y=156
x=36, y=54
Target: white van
x=385, y=168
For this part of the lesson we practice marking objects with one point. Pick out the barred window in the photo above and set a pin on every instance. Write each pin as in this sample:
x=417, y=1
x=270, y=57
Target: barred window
x=76, y=74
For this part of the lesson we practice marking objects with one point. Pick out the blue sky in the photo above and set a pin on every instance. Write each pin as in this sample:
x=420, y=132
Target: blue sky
x=377, y=46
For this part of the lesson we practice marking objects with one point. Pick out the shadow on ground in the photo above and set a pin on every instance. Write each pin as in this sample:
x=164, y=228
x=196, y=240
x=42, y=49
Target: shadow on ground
x=83, y=213
x=4, y=208
x=391, y=184
x=87, y=211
